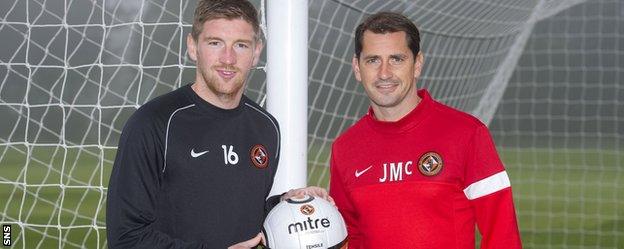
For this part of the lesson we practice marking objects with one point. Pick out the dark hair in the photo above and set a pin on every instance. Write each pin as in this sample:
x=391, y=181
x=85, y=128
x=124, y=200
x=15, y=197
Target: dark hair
x=388, y=22
x=228, y=9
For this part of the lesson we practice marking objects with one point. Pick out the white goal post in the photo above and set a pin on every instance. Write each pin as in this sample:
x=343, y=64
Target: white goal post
x=287, y=87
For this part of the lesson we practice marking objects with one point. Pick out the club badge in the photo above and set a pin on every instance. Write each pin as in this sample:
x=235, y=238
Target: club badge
x=259, y=156
x=307, y=209
x=430, y=164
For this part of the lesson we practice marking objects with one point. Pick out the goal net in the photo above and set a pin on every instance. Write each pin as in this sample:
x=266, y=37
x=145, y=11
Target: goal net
x=545, y=75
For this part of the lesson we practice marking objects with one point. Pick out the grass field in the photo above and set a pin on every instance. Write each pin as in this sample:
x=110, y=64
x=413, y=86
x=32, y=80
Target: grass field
x=564, y=198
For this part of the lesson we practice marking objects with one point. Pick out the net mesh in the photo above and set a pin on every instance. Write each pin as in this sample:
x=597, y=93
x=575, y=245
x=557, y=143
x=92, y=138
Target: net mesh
x=544, y=74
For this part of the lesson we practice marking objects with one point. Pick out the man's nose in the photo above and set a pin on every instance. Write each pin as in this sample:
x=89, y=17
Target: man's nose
x=385, y=72
x=228, y=56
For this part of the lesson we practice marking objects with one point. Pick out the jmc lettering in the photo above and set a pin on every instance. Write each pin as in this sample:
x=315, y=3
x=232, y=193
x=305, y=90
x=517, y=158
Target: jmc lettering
x=394, y=171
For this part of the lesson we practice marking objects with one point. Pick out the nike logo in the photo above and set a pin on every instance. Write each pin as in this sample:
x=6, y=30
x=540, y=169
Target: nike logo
x=359, y=173
x=197, y=154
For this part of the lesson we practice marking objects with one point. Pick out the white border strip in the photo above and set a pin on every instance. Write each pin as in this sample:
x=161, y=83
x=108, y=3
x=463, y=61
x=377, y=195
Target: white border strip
x=167, y=133
x=277, y=131
x=487, y=186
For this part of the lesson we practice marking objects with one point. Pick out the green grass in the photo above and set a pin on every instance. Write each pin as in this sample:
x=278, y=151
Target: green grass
x=568, y=198
x=57, y=194
x=564, y=198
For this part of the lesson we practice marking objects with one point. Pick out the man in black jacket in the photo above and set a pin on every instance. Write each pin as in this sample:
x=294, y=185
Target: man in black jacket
x=194, y=167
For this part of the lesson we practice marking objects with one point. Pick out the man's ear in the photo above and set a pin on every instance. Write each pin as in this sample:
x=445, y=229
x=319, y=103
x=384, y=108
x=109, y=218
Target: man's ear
x=419, y=61
x=191, y=46
x=257, y=52
x=355, y=64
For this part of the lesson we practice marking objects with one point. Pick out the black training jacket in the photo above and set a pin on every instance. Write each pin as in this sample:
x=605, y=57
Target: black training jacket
x=188, y=174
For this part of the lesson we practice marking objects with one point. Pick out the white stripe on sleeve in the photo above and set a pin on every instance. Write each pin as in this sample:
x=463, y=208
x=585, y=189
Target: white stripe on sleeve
x=487, y=186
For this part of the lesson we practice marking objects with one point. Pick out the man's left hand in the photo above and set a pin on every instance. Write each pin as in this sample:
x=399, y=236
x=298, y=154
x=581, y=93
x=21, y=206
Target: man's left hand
x=312, y=190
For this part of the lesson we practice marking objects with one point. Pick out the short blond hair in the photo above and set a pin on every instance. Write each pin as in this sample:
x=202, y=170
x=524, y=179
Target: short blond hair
x=227, y=9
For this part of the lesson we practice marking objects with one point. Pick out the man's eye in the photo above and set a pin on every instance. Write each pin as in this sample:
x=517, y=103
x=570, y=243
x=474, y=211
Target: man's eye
x=372, y=60
x=242, y=45
x=397, y=59
x=213, y=43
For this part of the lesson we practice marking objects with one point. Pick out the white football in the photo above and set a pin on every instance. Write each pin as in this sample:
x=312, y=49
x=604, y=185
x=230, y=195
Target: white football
x=306, y=223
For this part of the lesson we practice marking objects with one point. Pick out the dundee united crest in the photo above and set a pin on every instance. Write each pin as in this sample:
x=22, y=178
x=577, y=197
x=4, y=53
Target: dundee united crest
x=307, y=209
x=430, y=164
x=259, y=156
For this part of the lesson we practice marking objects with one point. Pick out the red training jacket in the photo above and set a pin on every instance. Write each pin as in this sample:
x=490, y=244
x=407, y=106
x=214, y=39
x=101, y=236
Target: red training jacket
x=422, y=182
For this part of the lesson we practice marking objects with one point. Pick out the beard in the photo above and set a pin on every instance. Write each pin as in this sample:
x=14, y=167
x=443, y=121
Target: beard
x=219, y=86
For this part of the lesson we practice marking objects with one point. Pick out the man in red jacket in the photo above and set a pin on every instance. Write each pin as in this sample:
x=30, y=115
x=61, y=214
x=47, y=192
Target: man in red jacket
x=414, y=173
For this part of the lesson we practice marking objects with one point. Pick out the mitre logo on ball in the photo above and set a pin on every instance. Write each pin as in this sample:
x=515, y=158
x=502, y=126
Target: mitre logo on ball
x=304, y=223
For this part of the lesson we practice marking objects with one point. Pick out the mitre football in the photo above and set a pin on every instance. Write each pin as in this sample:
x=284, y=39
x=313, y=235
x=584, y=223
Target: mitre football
x=305, y=223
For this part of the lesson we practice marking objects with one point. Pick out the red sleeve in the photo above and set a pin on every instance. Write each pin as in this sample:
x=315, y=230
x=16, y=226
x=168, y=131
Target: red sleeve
x=496, y=220
x=488, y=188
x=338, y=192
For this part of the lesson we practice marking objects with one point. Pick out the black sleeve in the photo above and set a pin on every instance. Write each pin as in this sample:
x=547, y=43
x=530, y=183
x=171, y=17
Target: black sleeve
x=133, y=191
x=271, y=202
